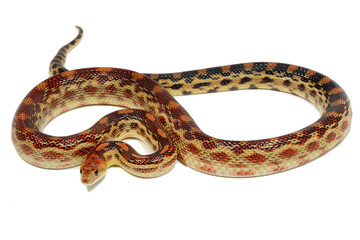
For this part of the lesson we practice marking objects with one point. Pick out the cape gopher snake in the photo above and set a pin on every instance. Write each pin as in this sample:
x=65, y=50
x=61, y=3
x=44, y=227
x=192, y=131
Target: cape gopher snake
x=155, y=116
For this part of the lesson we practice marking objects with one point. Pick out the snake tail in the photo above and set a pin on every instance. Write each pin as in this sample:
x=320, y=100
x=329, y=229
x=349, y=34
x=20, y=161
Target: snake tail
x=58, y=62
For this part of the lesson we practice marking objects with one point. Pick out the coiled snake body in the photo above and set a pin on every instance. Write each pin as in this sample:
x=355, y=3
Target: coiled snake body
x=155, y=116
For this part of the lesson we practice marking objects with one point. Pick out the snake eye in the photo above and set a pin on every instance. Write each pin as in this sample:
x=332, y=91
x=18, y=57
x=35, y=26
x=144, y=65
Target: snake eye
x=80, y=171
x=96, y=172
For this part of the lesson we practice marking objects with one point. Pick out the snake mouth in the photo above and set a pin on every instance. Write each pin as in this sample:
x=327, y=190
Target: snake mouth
x=87, y=180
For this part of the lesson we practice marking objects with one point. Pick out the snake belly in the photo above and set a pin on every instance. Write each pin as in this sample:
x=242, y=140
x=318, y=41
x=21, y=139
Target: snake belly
x=66, y=90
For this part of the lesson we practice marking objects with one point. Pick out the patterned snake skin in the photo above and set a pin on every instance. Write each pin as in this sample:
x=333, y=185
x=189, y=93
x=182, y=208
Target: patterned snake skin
x=153, y=115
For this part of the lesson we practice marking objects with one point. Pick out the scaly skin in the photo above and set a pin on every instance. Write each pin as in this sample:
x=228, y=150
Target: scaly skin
x=164, y=123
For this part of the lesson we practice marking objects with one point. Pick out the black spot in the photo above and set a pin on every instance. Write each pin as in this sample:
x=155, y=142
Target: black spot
x=176, y=86
x=252, y=86
x=304, y=79
x=225, y=82
x=267, y=80
x=233, y=88
x=73, y=42
x=186, y=92
x=134, y=125
x=313, y=93
x=245, y=80
x=204, y=84
x=302, y=87
x=287, y=83
x=96, y=172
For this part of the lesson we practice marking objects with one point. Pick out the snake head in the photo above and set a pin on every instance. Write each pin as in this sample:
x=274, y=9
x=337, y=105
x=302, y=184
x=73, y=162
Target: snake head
x=93, y=169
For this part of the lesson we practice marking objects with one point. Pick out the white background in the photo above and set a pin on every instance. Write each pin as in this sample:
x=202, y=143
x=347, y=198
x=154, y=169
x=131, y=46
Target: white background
x=317, y=201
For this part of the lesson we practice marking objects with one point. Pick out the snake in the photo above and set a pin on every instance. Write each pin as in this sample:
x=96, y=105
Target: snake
x=152, y=114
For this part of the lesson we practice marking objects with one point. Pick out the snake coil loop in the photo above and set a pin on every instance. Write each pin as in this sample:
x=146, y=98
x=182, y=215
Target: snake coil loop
x=156, y=117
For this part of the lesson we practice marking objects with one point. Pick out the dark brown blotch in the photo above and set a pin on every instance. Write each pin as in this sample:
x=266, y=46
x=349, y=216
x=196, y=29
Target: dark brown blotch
x=267, y=80
x=301, y=87
x=245, y=80
x=203, y=84
x=286, y=83
x=176, y=86
x=225, y=82
x=313, y=93
x=134, y=125
x=127, y=93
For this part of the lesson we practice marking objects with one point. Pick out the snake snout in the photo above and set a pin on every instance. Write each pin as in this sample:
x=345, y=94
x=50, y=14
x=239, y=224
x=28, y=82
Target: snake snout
x=85, y=179
x=89, y=177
